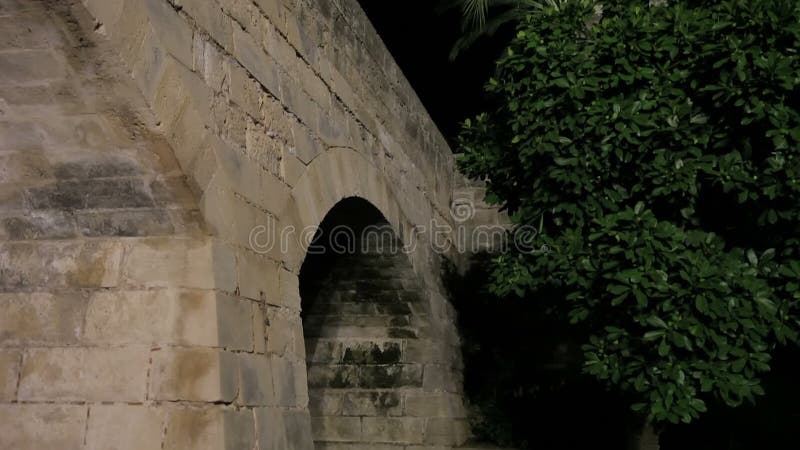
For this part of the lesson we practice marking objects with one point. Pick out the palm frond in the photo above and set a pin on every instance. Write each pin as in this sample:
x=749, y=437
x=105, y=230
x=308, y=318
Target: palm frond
x=475, y=12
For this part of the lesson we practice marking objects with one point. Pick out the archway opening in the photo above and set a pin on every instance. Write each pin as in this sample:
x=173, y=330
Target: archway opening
x=363, y=320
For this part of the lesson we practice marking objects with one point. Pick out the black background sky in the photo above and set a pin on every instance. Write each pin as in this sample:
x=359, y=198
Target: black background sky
x=420, y=38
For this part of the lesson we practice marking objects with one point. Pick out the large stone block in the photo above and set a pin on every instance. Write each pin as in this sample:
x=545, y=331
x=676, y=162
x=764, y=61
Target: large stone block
x=209, y=428
x=405, y=430
x=289, y=290
x=262, y=147
x=271, y=429
x=174, y=34
x=22, y=167
x=107, y=12
x=30, y=66
x=280, y=334
x=325, y=402
x=390, y=376
x=372, y=403
x=333, y=377
x=446, y=431
x=324, y=351
x=59, y=264
x=287, y=378
x=252, y=56
x=124, y=427
x=9, y=374
x=42, y=426
x=333, y=428
x=84, y=374
x=131, y=223
x=155, y=316
x=91, y=194
x=235, y=322
x=193, y=374
x=306, y=146
x=298, y=430
x=255, y=380
x=209, y=16
x=257, y=276
x=38, y=318
x=37, y=34
x=245, y=90
x=428, y=404
x=180, y=262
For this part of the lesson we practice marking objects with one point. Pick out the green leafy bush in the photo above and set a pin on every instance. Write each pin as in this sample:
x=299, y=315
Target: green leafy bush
x=657, y=152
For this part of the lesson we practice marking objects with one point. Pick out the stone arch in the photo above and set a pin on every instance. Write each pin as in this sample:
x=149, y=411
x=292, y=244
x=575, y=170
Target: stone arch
x=430, y=408
x=363, y=317
x=331, y=177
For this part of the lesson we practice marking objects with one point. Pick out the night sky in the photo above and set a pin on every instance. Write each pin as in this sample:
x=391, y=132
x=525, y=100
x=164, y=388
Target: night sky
x=420, y=39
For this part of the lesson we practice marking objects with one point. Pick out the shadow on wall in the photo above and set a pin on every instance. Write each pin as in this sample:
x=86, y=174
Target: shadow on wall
x=523, y=381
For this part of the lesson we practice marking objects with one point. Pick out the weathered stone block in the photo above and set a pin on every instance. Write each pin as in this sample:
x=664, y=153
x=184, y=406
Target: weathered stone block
x=235, y=322
x=260, y=324
x=29, y=66
x=91, y=194
x=446, y=431
x=209, y=428
x=209, y=16
x=371, y=353
x=333, y=428
x=38, y=318
x=423, y=351
x=325, y=351
x=84, y=374
x=404, y=430
x=156, y=316
x=298, y=430
x=173, y=32
x=439, y=378
x=325, y=402
x=9, y=374
x=107, y=12
x=289, y=290
x=38, y=225
x=245, y=91
x=124, y=427
x=180, y=262
x=391, y=376
x=306, y=146
x=255, y=380
x=26, y=265
x=429, y=404
x=251, y=55
x=42, y=426
x=280, y=334
x=143, y=222
x=262, y=148
x=26, y=30
x=285, y=374
x=257, y=276
x=334, y=377
x=193, y=374
x=271, y=429
x=25, y=166
x=375, y=403
x=21, y=136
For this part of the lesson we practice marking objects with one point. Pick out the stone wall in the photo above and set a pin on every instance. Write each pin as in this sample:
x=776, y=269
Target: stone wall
x=143, y=142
